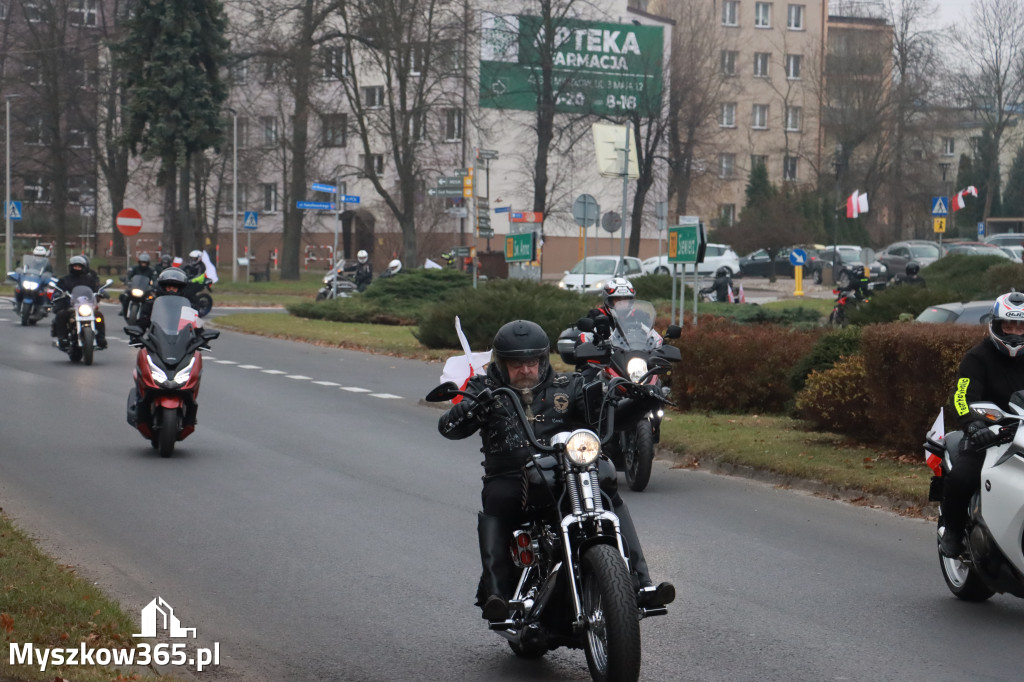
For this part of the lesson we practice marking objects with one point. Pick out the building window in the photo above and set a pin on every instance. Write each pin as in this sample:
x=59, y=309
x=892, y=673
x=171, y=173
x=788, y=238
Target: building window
x=453, y=124
x=793, y=63
x=373, y=96
x=789, y=168
x=730, y=13
x=3, y=9
x=335, y=63
x=270, y=70
x=269, y=130
x=761, y=61
x=37, y=132
x=228, y=198
x=78, y=138
x=948, y=146
x=270, y=197
x=82, y=12
x=243, y=132
x=372, y=164
x=31, y=10
x=37, y=188
x=762, y=15
x=726, y=215
x=729, y=62
x=726, y=165
x=417, y=123
x=794, y=116
x=795, y=18
x=240, y=72
x=728, y=119
x=758, y=160
x=759, y=117
x=417, y=59
x=334, y=126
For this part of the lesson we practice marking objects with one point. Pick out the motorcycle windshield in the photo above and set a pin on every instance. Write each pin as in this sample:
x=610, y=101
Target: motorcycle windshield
x=172, y=325
x=35, y=265
x=633, y=326
x=83, y=294
x=139, y=282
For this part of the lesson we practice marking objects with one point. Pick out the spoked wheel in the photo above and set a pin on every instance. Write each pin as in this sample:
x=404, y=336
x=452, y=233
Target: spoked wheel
x=88, y=345
x=962, y=580
x=612, y=638
x=167, y=436
x=204, y=303
x=640, y=457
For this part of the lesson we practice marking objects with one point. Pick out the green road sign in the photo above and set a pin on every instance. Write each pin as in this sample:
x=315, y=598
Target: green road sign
x=448, y=181
x=683, y=243
x=521, y=248
x=485, y=232
x=445, y=191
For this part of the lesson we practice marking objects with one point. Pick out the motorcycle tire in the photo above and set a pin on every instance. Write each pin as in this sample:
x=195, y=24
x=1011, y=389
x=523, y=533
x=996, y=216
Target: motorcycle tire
x=133, y=313
x=963, y=581
x=612, y=634
x=88, y=345
x=320, y=296
x=167, y=435
x=837, y=318
x=640, y=457
x=74, y=350
x=26, y=314
x=204, y=304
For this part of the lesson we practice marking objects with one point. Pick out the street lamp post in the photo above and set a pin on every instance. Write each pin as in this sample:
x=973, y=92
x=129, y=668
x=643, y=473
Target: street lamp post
x=234, y=195
x=944, y=166
x=837, y=164
x=9, y=232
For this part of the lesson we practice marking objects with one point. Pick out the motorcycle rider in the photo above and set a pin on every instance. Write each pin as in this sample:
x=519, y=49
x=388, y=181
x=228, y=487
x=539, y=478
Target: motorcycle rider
x=911, y=276
x=170, y=282
x=989, y=372
x=195, y=265
x=141, y=268
x=165, y=262
x=78, y=275
x=555, y=403
x=364, y=271
x=721, y=287
x=394, y=267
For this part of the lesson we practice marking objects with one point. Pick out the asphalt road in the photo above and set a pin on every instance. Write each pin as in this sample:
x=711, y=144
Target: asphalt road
x=318, y=527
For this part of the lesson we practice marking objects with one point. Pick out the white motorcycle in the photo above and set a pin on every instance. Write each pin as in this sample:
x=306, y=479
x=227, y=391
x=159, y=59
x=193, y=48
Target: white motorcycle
x=78, y=339
x=993, y=556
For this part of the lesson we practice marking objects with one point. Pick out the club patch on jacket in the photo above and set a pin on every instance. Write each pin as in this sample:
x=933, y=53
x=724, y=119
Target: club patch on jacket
x=561, y=402
x=960, y=398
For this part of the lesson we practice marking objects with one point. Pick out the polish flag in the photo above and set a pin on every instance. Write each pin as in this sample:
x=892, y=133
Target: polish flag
x=937, y=433
x=958, y=199
x=856, y=204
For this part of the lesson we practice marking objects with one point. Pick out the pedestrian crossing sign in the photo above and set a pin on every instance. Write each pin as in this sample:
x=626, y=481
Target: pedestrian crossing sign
x=939, y=206
x=251, y=220
x=14, y=210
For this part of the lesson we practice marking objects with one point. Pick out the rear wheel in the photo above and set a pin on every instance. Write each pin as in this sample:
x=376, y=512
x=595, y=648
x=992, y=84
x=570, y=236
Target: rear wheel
x=662, y=270
x=640, y=457
x=88, y=345
x=204, y=303
x=612, y=636
x=167, y=436
x=963, y=580
x=320, y=295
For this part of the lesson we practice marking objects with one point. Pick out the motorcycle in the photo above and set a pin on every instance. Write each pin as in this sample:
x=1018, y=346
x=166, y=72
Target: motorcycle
x=138, y=291
x=574, y=589
x=162, y=404
x=629, y=344
x=199, y=290
x=32, y=293
x=993, y=558
x=336, y=284
x=78, y=340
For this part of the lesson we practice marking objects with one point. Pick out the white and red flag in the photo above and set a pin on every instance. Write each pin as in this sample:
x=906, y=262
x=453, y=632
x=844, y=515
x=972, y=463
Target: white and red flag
x=937, y=433
x=460, y=368
x=856, y=204
x=957, y=202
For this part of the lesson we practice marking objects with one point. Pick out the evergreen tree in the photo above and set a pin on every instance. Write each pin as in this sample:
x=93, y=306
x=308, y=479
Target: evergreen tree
x=171, y=55
x=759, y=187
x=1013, y=201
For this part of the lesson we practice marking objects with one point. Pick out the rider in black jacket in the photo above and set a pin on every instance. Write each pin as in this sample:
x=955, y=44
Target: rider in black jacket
x=79, y=275
x=142, y=268
x=555, y=403
x=364, y=271
x=170, y=282
x=990, y=372
x=721, y=286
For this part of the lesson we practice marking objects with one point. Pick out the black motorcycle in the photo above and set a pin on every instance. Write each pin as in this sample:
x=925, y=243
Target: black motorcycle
x=138, y=291
x=629, y=345
x=574, y=589
x=78, y=339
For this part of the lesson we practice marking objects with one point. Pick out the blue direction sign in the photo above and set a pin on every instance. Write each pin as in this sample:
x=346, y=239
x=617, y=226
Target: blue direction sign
x=320, y=187
x=797, y=257
x=503, y=209
x=348, y=199
x=14, y=210
x=940, y=206
x=252, y=220
x=314, y=205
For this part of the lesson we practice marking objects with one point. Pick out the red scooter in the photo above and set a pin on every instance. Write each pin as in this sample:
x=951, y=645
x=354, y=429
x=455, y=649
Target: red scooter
x=162, y=405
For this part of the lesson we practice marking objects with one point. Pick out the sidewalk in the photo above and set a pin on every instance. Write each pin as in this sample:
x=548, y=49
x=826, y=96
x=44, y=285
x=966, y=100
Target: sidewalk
x=760, y=290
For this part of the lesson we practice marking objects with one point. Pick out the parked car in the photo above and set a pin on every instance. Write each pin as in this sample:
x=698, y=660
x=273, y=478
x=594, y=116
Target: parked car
x=599, y=270
x=716, y=256
x=757, y=264
x=850, y=255
x=896, y=256
x=962, y=312
x=976, y=249
x=1005, y=239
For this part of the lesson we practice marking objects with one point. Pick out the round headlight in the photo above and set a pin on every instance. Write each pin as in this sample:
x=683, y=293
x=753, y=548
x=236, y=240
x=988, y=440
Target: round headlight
x=583, y=447
x=636, y=368
x=137, y=293
x=85, y=310
x=30, y=285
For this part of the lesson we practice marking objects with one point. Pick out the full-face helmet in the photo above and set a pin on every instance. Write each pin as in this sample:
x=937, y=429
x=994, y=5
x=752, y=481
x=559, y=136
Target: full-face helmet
x=195, y=256
x=40, y=251
x=165, y=260
x=1007, y=308
x=143, y=260
x=722, y=272
x=618, y=293
x=521, y=340
x=172, y=280
x=78, y=264
x=913, y=268
x=362, y=256
x=395, y=266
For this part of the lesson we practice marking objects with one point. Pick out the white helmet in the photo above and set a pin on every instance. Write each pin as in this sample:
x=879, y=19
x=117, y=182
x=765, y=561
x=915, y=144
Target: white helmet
x=362, y=256
x=39, y=251
x=395, y=266
x=195, y=255
x=1007, y=308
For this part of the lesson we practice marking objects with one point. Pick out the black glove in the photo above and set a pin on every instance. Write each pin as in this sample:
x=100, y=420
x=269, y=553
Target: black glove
x=979, y=436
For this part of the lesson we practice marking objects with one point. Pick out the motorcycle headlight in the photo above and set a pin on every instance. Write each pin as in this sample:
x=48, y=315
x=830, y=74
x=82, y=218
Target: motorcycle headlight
x=636, y=368
x=159, y=375
x=327, y=279
x=583, y=447
x=185, y=374
x=137, y=293
x=30, y=286
x=85, y=310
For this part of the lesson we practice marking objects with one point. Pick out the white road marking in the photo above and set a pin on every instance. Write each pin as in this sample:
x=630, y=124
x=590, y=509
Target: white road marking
x=249, y=367
x=355, y=389
x=298, y=377
x=386, y=396
x=223, y=362
x=274, y=371
x=326, y=383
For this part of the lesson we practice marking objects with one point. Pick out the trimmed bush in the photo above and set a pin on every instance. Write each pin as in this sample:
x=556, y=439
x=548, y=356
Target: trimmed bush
x=887, y=305
x=656, y=287
x=968, y=276
x=838, y=398
x=827, y=350
x=483, y=310
x=737, y=368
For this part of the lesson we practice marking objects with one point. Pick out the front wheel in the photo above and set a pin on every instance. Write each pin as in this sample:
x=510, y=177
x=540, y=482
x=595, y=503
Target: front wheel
x=817, y=277
x=321, y=295
x=204, y=303
x=167, y=435
x=133, y=313
x=88, y=344
x=26, y=313
x=837, y=318
x=640, y=457
x=612, y=636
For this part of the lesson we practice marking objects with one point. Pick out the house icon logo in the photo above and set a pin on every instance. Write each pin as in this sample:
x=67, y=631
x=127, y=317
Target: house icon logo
x=159, y=614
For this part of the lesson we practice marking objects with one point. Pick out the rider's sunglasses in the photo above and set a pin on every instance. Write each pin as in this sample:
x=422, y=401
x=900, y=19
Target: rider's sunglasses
x=529, y=363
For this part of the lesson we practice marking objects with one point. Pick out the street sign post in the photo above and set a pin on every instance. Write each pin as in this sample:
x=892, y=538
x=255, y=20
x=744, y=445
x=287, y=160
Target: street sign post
x=521, y=248
x=797, y=258
x=445, y=191
x=940, y=206
x=128, y=222
x=938, y=225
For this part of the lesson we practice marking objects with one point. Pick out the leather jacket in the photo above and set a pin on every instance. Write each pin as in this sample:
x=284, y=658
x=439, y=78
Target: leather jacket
x=987, y=375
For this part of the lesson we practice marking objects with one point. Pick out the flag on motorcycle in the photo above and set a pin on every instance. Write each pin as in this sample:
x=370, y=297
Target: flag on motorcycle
x=732, y=297
x=937, y=433
x=211, y=269
x=460, y=368
x=856, y=204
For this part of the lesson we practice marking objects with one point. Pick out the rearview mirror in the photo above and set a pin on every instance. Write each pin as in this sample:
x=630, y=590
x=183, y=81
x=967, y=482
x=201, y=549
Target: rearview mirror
x=588, y=351
x=210, y=335
x=133, y=330
x=670, y=353
x=445, y=391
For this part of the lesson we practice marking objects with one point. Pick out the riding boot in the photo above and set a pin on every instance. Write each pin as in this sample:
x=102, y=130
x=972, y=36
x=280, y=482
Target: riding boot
x=494, y=589
x=648, y=594
x=954, y=519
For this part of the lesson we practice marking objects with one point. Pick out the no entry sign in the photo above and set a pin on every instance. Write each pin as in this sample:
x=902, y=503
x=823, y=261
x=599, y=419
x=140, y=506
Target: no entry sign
x=129, y=222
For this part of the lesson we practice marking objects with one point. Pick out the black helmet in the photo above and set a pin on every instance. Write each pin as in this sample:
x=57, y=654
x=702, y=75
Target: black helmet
x=143, y=258
x=165, y=260
x=172, y=277
x=78, y=264
x=722, y=272
x=521, y=340
x=913, y=268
